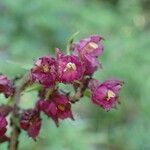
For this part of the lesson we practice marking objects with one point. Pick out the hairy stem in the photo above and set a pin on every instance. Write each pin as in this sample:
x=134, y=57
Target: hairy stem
x=13, y=144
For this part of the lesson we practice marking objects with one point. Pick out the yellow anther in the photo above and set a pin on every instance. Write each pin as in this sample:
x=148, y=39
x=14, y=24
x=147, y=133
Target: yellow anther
x=90, y=47
x=61, y=107
x=45, y=68
x=70, y=66
x=93, y=45
x=110, y=94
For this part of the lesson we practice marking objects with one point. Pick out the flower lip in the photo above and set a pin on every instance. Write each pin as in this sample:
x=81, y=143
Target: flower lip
x=70, y=67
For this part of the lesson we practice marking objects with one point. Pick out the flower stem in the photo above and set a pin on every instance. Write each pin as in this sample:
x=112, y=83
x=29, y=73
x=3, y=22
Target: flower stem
x=70, y=41
x=13, y=144
x=79, y=91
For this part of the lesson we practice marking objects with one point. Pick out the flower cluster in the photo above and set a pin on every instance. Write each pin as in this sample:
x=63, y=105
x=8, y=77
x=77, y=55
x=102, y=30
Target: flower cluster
x=76, y=69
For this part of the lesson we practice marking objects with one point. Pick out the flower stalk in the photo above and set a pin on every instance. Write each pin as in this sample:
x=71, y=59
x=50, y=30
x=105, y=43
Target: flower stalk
x=76, y=69
x=13, y=143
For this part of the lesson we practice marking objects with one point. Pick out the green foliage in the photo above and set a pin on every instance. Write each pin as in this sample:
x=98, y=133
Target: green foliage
x=32, y=28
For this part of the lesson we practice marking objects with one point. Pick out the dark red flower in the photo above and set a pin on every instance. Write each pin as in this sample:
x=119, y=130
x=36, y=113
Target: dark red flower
x=30, y=121
x=57, y=107
x=3, y=125
x=88, y=50
x=69, y=68
x=6, y=86
x=106, y=94
x=44, y=71
x=89, y=46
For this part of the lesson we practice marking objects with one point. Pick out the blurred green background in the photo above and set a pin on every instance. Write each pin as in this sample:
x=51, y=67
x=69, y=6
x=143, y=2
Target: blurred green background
x=32, y=28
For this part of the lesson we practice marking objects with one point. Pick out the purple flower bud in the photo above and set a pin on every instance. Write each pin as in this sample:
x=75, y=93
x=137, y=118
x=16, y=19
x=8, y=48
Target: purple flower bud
x=6, y=86
x=30, y=121
x=57, y=107
x=69, y=68
x=3, y=124
x=106, y=94
x=44, y=71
